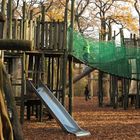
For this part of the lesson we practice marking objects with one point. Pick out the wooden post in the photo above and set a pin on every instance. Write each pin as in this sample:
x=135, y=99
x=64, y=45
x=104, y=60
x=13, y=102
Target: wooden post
x=46, y=35
x=65, y=57
x=52, y=74
x=134, y=39
x=115, y=91
x=70, y=85
x=2, y=33
x=24, y=21
x=90, y=83
x=137, y=104
x=37, y=68
x=42, y=27
x=71, y=59
x=15, y=29
x=9, y=16
x=110, y=90
x=50, y=35
x=38, y=33
x=3, y=11
x=100, y=88
x=66, y=12
x=49, y=78
x=137, y=96
x=43, y=80
x=64, y=77
x=21, y=29
x=59, y=35
x=43, y=67
x=131, y=36
x=58, y=77
x=31, y=28
x=23, y=88
x=125, y=94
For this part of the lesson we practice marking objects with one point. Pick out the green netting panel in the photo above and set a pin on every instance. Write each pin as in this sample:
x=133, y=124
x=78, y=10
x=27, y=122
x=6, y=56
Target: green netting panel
x=107, y=56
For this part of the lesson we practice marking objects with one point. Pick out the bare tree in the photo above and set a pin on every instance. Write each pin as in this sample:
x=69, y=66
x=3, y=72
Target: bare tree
x=81, y=18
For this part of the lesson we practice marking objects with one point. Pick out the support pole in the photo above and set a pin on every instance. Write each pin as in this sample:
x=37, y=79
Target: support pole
x=23, y=88
x=42, y=26
x=137, y=104
x=58, y=77
x=49, y=73
x=71, y=59
x=115, y=91
x=24, y=21
x=125, y=94
x=64, y=77
x=100, y=88
x=9, y=19
x=71, y=85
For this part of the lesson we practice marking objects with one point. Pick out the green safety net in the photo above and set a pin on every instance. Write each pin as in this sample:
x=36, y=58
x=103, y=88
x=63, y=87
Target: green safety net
x=109, y=57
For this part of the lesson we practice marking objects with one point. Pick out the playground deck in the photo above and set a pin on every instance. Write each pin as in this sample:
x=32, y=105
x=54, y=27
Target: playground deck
x=103, y=123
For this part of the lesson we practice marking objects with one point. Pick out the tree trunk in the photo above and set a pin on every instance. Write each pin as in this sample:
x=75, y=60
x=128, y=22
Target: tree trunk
x=18, y=135
x=103, y=29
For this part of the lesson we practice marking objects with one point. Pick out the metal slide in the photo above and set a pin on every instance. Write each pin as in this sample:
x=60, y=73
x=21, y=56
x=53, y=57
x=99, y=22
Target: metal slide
x=58, y=111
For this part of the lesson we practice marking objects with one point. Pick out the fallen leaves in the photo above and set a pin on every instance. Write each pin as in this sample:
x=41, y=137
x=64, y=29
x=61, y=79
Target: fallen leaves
x=104, y=123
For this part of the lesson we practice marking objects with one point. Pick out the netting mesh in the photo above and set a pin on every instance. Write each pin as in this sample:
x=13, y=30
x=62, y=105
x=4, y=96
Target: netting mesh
x=109, y=57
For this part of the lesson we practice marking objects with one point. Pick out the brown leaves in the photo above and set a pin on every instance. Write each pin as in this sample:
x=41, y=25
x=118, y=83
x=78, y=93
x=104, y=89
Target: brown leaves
x=103, y=123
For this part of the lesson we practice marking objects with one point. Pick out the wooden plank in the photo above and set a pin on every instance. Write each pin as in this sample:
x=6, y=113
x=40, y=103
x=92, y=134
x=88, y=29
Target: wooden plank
x=9, y=17
x=50, y=35
x=15, y=28
x=60, y=35
x=56, y=35
x=24, y=21
x=52, y=74
x=42, y=27
x=46, y=35
x=34, y=35
x=49, y=72
x=64, y=36
x=31, y=30
x=38, y=34
x=58, y=76
x=21, y=28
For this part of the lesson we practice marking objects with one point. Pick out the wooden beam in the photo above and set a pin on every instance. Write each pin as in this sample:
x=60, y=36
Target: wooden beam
x=13, y=44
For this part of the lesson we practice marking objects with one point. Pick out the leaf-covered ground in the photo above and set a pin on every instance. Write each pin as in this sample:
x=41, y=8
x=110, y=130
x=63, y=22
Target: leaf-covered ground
x=103, y=123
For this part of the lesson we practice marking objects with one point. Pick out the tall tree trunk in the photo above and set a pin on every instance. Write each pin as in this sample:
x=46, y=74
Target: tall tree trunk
x=103, y=29
x=109, y=32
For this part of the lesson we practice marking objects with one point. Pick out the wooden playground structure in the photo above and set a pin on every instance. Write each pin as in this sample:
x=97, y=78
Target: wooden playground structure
x=36, y=49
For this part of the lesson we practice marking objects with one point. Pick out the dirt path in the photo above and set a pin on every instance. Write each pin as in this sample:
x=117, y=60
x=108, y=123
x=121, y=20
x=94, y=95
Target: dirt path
x=103, y=123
